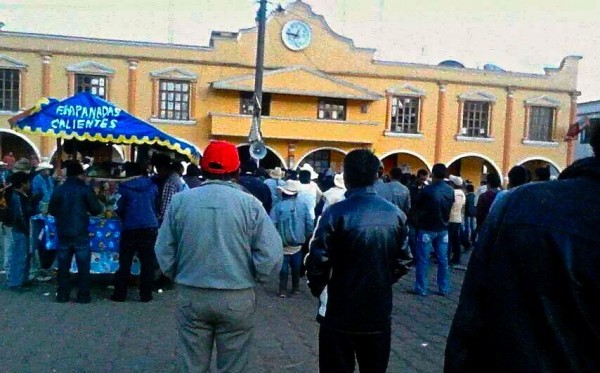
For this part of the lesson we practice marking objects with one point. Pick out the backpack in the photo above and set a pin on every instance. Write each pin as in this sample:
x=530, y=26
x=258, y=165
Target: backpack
x=286, y=227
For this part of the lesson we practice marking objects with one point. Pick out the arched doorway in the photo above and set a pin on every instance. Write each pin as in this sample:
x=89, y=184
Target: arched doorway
x=532, y=163
x=271, y=161
x=409, y=162
x=323, y=159
x=20, y=145
x=473, y=167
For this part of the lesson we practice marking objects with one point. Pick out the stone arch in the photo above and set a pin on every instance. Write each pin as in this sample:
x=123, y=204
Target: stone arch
x=411, y=153
x=20, y=136
x=555, y=169
x=268, y=162
x=470, y=173
x=326, y=148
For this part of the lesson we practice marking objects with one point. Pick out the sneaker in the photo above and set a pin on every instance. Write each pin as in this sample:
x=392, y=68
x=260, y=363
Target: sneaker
x=296, y=292
x=281, y=295
x=414, y=292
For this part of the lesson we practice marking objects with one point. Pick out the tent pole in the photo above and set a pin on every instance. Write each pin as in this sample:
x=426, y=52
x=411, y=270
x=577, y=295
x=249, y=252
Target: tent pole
x=58, y=156
x=132, y=152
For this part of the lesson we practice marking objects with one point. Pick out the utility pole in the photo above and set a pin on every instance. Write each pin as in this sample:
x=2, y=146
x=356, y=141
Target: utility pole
x=257, y=147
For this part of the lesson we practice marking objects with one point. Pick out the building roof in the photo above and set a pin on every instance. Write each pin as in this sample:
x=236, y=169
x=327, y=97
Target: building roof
x=300, y=81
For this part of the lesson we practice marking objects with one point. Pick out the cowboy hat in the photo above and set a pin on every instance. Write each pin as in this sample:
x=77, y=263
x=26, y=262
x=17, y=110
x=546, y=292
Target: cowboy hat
x=276, y=173
x=457, y=180
x=338, y=180
x=308, y=167
x=22, y=165
x=291, y=187
x=44, y=166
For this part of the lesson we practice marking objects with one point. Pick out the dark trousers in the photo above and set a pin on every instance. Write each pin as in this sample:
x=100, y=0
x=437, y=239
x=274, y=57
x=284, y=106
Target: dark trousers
x=292, y=262
x=140, y=241
x=337, y=351
x=454, y=242
x=83, y=256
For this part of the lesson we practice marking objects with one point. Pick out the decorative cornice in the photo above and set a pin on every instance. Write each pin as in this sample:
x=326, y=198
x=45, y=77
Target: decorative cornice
x=406, y=89
x=133, y=64
x=477, y=96
x=46, y=58
x=178, y=73
x=542, y=101
x=90, y=67
x=11, y=63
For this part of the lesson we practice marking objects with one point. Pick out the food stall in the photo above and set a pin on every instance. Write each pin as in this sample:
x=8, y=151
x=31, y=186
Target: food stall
x=88, y=118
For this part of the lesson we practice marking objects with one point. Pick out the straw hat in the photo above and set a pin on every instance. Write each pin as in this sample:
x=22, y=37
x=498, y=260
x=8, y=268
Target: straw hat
x=457, y=180
x=22, y=165
x=338, y=180
x=276, y=173
x=308, y=167
x=44, y=166
x=291, y=187
x=2, y=164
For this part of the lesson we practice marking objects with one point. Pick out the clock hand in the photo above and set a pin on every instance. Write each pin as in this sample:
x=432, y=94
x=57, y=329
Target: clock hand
x=292, y=34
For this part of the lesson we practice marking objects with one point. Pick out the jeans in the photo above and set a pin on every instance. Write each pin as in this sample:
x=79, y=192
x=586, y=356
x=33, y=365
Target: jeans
x=454, y=247
x=412, y=240
x=427, y=240
x=20, y=260
x=292, y=261
x=6, y=241
x=140, y=241
x=83, y=257
x=470, y=227
x=338, y=351
x=208, y=317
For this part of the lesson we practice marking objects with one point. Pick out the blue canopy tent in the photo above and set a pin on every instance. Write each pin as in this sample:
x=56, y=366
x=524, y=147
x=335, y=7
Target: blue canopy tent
x=88, y=117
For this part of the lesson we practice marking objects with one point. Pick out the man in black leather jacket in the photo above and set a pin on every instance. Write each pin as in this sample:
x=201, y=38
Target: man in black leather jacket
x=353, y=262
x=531, y=296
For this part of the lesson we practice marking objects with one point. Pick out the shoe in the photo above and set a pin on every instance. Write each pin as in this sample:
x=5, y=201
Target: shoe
x=117, y=298
x=84, y=298
x=414, y=292
x=19, y=289
x=281, y=295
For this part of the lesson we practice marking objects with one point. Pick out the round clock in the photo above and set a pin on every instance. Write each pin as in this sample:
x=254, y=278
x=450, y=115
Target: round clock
x=296, y=35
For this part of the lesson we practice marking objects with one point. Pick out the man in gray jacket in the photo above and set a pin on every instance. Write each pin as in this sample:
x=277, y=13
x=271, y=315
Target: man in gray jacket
x=216, y=242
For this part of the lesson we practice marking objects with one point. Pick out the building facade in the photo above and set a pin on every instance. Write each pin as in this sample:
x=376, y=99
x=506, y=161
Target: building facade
x=323, y=97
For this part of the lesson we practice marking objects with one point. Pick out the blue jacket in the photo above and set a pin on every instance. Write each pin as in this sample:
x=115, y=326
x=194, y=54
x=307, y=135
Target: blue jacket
x=304, y=221
x=137, y=206
x=71, y=204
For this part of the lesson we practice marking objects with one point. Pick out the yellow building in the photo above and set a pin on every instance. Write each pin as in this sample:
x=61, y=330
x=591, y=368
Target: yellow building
x=324, y=97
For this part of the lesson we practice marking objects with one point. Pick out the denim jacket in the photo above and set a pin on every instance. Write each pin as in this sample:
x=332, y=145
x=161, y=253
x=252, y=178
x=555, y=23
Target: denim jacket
x=304, y=221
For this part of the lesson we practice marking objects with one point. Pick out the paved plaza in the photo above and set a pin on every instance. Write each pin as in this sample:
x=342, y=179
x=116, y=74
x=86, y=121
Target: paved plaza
x=39, y=335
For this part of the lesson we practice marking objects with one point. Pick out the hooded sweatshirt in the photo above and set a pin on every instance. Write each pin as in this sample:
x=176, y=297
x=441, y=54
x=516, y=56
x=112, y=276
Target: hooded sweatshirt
x=137, y=206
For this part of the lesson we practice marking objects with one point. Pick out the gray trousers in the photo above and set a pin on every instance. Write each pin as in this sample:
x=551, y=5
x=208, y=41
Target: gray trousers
x=211, y=316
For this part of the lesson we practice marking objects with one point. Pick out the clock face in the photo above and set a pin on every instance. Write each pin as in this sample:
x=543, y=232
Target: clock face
x=296, y=35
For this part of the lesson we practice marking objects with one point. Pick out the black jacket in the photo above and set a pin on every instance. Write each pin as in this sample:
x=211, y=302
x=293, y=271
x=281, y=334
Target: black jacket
x=530, y=301
x=71, y=204
x=432, y=208
x=355, y=252
x=258, y=189
x=20, y=210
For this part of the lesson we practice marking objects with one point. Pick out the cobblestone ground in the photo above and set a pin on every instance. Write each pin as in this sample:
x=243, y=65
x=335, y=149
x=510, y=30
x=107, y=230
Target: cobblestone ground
x=39, y=335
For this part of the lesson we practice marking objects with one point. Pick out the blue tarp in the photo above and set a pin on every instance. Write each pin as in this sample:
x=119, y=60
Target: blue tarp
x=88, y=117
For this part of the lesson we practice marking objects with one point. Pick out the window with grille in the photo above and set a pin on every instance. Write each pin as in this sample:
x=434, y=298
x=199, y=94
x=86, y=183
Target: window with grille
x=405, y=114
x=247, y=103
x=333, y=109
x=174, y=100
x=94, y=84
x=319, y=160
x=584, y=137
x=9, y=89
x=475, y=119
x=541, y=120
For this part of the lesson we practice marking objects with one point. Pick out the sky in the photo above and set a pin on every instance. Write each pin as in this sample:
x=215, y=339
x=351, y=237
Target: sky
x=517, y=35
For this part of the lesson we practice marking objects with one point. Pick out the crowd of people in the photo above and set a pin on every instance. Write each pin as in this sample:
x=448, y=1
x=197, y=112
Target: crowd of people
x=219, y=230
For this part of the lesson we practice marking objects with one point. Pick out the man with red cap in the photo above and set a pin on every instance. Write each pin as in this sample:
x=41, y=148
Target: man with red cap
x=216, y=243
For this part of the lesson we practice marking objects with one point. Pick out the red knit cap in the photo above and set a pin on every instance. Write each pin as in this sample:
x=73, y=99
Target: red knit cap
x=220, y=157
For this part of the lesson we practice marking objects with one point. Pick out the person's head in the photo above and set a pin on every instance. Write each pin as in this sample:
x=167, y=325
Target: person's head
x=177, y=167
x=470, y=188
x=249, y=167
x=542, y=173
x=192, y=170
x=517, y=176
x=221, y=161
x=493, y=180
x=380, y=170
x=422, y=175
x=74, y=169
x=10, y=154
x=86, y=160
x=304, y=176
x=438, y=171
x=162, y=163
x=396, y=174
x=133, y=169
x=44, y=168
x=360, y=168
x=21, y=181
x=291, y=175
